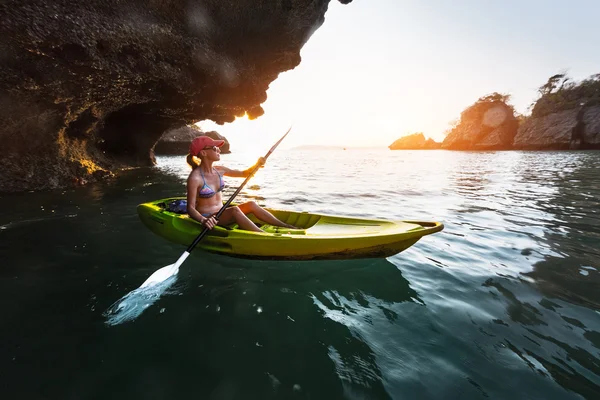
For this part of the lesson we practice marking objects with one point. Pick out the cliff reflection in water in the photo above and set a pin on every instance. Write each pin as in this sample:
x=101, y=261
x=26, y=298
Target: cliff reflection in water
x=568, y=276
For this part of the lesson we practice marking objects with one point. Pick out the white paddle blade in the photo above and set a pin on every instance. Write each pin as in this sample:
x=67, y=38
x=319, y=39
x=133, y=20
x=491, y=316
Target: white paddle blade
x=130, y=306
x=134, y=303
x=165, y=272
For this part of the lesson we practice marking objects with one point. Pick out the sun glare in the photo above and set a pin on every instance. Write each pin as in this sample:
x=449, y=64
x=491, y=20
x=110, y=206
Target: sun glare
x=246, y=135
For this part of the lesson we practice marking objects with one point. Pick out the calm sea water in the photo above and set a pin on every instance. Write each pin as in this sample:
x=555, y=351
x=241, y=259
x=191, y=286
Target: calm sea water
x=504, y=303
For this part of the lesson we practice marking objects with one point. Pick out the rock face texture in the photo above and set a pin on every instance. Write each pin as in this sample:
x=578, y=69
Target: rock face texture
x=89, y=86
x=485, y=126
x=554, y=131
x=575, y=129
x=415, y=141
x=177, y=141
x=591, y=129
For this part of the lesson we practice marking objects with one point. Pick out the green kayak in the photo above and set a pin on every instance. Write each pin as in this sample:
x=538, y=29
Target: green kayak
x=321, y=236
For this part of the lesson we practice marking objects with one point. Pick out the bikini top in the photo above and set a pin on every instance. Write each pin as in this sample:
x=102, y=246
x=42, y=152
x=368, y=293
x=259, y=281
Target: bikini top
x=206, y=191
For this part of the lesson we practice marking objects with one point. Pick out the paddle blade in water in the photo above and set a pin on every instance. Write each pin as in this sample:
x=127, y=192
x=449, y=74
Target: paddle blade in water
x=133, y=304
x=130, y=306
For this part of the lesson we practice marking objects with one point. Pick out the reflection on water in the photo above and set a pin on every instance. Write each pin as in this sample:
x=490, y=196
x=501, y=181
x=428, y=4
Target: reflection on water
x=503, y=303
x=563, y=196
x=574, y=238
x=519, y=312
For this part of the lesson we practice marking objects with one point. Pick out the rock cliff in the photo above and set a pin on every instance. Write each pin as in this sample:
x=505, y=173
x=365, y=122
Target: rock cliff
x=575, y=129
x=554, y=131
x=89, y=86
x=488, y=124
x=591, y=130
x=177, y=141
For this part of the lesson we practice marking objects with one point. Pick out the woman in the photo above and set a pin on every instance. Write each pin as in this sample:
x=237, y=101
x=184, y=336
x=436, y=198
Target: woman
x=205, y=185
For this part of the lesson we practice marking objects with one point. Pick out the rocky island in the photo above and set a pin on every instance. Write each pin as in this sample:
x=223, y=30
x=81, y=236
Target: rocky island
x=566, y=116
x=177, y=141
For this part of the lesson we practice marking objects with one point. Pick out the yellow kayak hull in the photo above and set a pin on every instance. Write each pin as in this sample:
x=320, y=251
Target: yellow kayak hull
x=320, y=236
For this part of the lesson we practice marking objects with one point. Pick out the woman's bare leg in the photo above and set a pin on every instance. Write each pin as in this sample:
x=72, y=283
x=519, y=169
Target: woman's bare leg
x=234, y=214
x=262, y=214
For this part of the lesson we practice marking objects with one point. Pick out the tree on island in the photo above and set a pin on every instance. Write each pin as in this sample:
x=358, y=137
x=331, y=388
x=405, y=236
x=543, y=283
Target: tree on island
x=478, y=109
x=561, y=93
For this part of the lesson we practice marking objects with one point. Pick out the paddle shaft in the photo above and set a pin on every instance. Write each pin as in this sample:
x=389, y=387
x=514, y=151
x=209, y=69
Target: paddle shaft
x=237, y=191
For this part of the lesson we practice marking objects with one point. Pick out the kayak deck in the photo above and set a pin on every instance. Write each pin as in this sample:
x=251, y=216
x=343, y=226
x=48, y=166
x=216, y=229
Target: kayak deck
x=319, y=236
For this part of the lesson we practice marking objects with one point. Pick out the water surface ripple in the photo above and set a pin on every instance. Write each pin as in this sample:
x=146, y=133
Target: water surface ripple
x=504, y=303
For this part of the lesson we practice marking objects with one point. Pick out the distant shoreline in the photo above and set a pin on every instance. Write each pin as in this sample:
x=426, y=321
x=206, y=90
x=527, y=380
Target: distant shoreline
x=318, y=147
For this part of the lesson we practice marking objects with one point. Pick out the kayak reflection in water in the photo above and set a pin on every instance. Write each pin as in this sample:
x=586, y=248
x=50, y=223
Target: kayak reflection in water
x=205, y=185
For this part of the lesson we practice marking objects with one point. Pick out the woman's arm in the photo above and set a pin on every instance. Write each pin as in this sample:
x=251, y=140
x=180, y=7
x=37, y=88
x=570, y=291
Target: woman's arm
x=235, y=173
x=193, y=183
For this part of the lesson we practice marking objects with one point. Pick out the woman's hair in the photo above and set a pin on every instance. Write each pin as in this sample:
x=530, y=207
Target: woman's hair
x=193, y=161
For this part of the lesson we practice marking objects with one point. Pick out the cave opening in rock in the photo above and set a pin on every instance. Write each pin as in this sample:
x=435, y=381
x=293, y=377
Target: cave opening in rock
x=130, y=133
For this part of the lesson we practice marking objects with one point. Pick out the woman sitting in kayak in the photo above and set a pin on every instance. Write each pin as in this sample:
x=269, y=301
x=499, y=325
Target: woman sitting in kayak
x=205, y=185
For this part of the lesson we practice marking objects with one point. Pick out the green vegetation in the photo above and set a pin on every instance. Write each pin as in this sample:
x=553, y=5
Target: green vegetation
x=476, y=111
x=561, y=93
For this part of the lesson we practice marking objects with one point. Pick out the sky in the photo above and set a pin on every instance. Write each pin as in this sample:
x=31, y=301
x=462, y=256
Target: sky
x=377, y=70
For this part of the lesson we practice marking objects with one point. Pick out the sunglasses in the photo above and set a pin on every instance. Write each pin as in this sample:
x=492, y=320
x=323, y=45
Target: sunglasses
x=213, y=148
